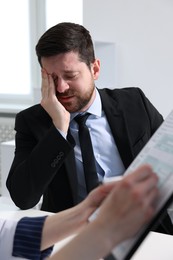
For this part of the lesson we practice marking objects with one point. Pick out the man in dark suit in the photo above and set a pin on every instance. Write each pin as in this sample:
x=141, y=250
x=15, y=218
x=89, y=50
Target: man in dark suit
x=46, y=162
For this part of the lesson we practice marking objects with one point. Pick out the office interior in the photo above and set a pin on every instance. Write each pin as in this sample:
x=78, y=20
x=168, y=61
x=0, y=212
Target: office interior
x=133, y=40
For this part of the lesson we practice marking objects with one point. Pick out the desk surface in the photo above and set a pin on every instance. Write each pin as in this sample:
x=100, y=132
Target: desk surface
x=8, y=143
x=156, y=246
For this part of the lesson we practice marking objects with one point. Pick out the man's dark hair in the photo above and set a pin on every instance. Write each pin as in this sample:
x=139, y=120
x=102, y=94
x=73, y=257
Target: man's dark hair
x=66, y=37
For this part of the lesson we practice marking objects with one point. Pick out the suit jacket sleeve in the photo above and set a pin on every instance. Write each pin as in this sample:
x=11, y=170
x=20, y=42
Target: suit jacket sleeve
x=39, y=153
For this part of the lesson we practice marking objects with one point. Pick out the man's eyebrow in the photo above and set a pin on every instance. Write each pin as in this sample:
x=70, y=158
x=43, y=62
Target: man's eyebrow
x=54, y=75
x=70, y=71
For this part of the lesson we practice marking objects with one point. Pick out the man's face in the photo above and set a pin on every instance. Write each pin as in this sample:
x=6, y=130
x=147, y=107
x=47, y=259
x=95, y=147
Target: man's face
x=74, y=81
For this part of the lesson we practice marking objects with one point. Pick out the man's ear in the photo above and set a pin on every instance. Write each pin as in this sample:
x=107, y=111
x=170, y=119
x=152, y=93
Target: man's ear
x=95, y=69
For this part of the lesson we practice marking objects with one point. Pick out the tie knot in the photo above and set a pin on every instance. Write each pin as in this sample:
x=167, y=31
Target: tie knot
x=81, y=119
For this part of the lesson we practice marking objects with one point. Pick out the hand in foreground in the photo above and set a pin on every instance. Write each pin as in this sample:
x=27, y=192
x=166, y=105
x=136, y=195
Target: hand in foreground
x=130, y=205
x=60, y=116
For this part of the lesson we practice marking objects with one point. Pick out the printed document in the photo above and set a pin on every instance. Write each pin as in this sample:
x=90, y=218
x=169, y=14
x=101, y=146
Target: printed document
x=158, y=152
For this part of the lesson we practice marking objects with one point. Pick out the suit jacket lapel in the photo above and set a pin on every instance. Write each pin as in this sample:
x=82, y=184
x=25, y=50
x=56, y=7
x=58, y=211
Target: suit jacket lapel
x=117, y=125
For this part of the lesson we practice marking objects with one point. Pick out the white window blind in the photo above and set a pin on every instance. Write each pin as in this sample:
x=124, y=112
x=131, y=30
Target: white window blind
x=22, y=22
x=14, y=47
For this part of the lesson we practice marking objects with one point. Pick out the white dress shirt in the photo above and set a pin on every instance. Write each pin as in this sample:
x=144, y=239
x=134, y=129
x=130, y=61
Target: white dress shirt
x=106, y=153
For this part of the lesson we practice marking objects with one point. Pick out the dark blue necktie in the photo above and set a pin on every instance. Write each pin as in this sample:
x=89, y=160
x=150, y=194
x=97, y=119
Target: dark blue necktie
x=88, y=158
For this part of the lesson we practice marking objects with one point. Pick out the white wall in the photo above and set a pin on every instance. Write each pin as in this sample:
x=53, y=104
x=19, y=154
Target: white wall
x=143, y=33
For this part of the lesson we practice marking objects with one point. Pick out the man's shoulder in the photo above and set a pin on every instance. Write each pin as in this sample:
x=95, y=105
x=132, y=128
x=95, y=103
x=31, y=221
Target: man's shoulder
x=32, y=109
x=35, y=111
x=121, y=93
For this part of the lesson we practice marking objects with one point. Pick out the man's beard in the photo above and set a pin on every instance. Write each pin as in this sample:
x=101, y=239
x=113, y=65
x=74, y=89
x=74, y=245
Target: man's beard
x=80, y=102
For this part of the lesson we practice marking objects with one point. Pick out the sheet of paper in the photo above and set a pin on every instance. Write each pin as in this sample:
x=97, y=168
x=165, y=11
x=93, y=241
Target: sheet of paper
x=158, y=152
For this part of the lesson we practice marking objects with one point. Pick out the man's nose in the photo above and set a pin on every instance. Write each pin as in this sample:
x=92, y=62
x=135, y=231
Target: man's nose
x=61, y=85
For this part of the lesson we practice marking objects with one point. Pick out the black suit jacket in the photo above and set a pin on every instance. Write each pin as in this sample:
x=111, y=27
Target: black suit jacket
x=44, y=161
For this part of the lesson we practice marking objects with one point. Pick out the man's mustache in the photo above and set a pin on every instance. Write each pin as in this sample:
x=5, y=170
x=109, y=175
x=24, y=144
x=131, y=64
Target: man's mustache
x=67, y=93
